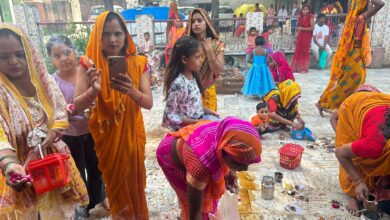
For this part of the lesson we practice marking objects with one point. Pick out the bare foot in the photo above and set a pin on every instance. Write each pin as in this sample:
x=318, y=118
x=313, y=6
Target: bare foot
x=319, y=109
x=353, y=207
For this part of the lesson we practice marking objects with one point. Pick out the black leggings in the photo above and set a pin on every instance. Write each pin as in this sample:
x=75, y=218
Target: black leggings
x=84, y=155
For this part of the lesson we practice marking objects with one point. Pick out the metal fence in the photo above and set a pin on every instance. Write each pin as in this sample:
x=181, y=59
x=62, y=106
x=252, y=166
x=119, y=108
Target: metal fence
x=234, y=45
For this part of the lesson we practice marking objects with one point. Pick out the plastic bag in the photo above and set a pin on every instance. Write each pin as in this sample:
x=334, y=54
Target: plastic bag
x=228, y=207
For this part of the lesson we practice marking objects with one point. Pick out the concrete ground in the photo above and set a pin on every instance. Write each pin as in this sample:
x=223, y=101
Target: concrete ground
x=318, y=173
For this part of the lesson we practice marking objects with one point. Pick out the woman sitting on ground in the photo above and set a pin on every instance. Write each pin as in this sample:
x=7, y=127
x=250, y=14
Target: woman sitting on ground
x=363, y=149
x=200, y=162
x=283, y=106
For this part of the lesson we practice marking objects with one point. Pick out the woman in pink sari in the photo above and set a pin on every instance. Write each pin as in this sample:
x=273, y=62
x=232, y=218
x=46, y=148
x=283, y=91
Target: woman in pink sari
x=279, y=67
x=200, y=161
x=301, y=60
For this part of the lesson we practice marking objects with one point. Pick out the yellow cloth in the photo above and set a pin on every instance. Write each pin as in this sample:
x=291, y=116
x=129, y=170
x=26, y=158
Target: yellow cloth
x=209, y=99
x=348, y=70
x=288, y=91
x=17, y=122
x=117, y=128
x=210, y=94
x=349, y=127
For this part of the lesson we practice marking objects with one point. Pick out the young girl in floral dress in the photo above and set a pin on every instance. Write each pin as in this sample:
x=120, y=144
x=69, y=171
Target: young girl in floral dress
x=183, y=88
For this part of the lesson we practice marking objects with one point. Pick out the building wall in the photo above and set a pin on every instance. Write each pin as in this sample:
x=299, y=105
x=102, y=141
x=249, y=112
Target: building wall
x=381, y=31
x=85, y=6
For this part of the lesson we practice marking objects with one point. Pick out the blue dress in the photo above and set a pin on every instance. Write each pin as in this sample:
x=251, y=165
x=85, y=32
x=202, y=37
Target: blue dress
x=259, y=80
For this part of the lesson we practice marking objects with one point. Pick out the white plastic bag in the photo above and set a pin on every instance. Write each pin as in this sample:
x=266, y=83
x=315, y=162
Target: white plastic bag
x=227, y=208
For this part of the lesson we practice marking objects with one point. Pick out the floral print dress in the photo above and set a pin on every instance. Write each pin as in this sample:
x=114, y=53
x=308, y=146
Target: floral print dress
x=184, y=102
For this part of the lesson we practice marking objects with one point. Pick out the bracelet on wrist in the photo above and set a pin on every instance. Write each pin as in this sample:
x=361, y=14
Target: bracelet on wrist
x=5, y=167
x=8, y=156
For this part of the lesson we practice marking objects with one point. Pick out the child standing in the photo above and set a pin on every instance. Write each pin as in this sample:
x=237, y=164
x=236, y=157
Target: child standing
x=268, y=44
x=253, y=33
x=259, y=80
x=76, y=136
x=183, y=89
x=261, y=120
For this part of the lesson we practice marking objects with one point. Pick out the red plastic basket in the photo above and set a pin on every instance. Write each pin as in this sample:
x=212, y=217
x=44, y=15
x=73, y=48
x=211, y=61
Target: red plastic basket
x=290, y=156
x=49, y=173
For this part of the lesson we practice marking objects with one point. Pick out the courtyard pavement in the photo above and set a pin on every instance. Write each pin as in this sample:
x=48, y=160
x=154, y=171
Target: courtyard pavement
x=318, y=173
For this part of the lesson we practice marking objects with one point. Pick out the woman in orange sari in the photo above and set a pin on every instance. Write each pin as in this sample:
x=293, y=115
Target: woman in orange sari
x=353, y=55
x=176, y=32
x=116, y=122
x=363, y=148
x=200, y=27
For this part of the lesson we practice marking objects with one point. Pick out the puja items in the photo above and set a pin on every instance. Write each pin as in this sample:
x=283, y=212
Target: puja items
x=267, y=188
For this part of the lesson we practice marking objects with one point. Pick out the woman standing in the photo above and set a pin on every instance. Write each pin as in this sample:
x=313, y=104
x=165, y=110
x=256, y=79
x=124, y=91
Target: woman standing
x=352, y=57
x=201, y=28
x=363, y=149
x=30, y=101
x=200, y=162
x=116, y=122
x=301, y=60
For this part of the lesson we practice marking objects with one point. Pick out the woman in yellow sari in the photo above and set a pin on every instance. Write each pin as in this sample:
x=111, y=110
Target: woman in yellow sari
x=116, y=122
x=363, y=148
x=200, y=27
x=30, y=100
x=283, y=106
x=352, y=57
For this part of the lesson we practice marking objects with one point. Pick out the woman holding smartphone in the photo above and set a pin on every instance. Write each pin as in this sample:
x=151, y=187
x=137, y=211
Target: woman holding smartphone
x=116, y=122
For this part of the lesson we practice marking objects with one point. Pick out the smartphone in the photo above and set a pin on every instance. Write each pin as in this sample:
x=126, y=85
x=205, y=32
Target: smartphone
x=116, y=64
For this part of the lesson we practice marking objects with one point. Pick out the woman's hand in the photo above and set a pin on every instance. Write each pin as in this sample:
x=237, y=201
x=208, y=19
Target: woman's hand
x=263, y=127
x=17, y=169
x=207, y=44
x=49, y=139
x=361, y=191
x=231, y=182
x=94, y=78
x=297, y=126
x=122, y=83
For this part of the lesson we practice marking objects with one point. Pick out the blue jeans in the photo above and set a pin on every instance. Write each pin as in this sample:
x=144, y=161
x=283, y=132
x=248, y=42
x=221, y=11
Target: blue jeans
x=293, y=26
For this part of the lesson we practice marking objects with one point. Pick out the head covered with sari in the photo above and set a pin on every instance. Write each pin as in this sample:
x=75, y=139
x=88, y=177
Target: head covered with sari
x=210, y=30
x=217, y=44
x=346, y=44
x=282, y=70
x=39, y=78
x=288, y=92
x=109, y=102
x=351, y=115
x=17, y=123
x=237, y=138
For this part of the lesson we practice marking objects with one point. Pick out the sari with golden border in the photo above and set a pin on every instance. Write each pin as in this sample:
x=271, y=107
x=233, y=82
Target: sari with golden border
x=117, y=127
x=351, y=114
x=210, y=93
x=348, y=70
x=19, y=116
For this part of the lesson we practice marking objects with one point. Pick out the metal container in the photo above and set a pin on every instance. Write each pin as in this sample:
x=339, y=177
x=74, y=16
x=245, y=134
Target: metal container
x=267, y=188
x=369, y=215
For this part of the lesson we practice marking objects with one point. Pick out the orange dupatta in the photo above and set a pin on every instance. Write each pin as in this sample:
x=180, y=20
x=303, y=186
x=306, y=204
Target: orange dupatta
x=117, y=128
x=349, y=127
